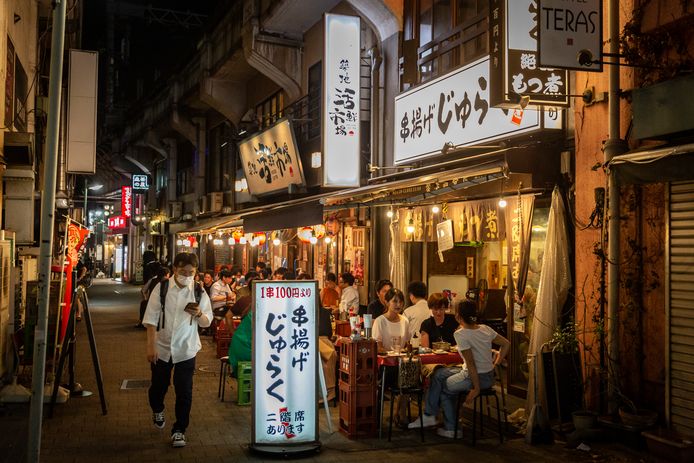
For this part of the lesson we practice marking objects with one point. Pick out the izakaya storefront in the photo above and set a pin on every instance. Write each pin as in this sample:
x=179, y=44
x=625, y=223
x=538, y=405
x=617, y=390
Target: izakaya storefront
x=471, y=218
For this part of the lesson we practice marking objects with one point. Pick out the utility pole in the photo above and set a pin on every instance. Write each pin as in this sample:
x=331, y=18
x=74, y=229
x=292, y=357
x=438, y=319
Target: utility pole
x=47, y=217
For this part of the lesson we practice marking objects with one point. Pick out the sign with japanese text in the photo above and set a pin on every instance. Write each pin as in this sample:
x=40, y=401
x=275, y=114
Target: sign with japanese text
x=271, y=160
x=116, y=222
x=76, y=237
x=341, y=97
x=444, y=235
x=519, y=215
x=126, y=201
x=453, y=108
x=515, y=67
x=285, y=362
x=140, y=182
x=478, y=220
x=568, y=29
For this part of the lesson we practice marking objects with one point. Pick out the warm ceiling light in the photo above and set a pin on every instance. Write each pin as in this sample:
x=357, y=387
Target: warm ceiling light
x=328, y=240
x=276, y=241
x=435, y=209
x=410, y=226
x=502, y=202
x=389, y=214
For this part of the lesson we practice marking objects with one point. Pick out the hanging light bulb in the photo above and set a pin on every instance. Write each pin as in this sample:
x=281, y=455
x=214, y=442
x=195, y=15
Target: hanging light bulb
x=328, y=240
x=435, y=209
x=242, y=240
x=389, y=213
x=231, y=241
x=276, y=241
x=313, y=239
x=502, y=202
x=254, y=242
x=410, y=226
x=179, y=242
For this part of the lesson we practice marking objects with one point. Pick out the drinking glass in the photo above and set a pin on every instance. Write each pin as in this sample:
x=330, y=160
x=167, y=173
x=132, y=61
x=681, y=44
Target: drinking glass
x=396, y=344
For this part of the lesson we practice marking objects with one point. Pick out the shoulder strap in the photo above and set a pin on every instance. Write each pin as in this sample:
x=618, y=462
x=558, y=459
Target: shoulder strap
x=198, y=289
x=163, y=288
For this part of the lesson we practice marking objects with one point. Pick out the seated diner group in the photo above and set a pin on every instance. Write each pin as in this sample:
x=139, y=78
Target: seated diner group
x=473, y=341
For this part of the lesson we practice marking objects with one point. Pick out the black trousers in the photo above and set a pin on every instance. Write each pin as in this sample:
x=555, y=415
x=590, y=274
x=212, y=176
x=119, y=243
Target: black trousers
x=183, y=385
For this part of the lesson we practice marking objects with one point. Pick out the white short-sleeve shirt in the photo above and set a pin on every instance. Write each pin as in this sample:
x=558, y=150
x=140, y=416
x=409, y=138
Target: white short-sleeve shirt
x=384, y=331
x=178, y=339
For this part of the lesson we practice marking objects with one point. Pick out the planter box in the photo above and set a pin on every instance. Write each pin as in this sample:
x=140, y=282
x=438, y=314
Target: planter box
x=669, y=445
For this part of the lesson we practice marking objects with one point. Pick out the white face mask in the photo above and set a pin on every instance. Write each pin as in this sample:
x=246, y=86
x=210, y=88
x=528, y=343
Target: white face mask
x=185, y=281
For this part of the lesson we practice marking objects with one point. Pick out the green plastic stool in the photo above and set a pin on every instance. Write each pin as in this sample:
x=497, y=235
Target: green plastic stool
x=244, y=378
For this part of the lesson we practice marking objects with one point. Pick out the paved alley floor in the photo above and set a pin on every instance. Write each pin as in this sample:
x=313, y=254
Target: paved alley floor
x=219, y=432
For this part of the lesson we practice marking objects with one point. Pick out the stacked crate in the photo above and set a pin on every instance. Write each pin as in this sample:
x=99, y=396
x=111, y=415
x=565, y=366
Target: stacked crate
x=223, y=337
x=244, y=378
x=358, y=374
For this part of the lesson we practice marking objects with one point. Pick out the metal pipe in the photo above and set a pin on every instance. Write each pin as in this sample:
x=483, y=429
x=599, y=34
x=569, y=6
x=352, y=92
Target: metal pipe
x=47, y=218
x=613, y=147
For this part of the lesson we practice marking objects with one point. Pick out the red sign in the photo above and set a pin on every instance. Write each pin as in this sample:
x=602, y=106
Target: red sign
x=116, y=222
x=126, y=202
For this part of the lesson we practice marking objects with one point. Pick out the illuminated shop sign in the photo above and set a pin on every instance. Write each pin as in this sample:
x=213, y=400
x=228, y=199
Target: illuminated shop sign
x=126, y=201
x=271, y=160
x=341, y=97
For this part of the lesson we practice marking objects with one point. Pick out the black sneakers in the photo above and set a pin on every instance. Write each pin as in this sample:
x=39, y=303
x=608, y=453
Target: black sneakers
x=159, y=420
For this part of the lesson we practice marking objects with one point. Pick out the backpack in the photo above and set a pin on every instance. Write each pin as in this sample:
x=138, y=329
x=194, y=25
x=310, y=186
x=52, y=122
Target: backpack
x=164, y=288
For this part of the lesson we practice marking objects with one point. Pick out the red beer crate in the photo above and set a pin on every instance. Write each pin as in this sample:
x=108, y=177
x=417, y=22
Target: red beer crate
x=223, y=341
x=358, y=365
x=358, y=410
x=342, y=328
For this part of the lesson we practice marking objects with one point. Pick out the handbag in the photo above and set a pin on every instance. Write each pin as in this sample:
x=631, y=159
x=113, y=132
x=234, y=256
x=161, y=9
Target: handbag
x=409, y=372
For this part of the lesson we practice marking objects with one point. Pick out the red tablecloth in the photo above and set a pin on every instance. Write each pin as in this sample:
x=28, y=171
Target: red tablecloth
x=444, y=359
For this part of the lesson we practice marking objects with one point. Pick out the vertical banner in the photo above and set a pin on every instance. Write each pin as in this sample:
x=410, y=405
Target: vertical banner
x=285, y=366
x=341, y=101
x=126, y=201
x=519, y=217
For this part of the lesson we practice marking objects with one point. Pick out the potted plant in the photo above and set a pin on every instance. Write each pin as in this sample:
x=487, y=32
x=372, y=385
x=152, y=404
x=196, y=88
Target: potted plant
x=563, y=378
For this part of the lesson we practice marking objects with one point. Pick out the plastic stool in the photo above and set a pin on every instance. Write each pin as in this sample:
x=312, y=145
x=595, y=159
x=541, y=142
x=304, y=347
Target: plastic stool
x=223, y=371
x=244, y=377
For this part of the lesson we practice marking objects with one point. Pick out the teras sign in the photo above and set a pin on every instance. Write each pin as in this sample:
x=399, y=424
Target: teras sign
x=569, y=32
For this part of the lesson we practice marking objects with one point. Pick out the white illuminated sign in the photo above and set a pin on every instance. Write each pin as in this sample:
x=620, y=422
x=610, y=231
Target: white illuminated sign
x=567, y=29
x=271, y=160
x=285, y=363
x=453, y=108
x=140, y=182
x=341, y=97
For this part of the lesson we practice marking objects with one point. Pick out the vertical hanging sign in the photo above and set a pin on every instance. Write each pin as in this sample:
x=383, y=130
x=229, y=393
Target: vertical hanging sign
x=341, y=101
x=515, y=68
x=285, y=366
x=126, y=201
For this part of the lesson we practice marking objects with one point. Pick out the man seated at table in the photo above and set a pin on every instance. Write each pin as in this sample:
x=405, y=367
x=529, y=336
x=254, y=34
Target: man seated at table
x=441, y=325
x=222, y=296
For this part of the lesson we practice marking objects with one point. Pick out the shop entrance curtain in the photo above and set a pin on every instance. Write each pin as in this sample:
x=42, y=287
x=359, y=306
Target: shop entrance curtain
x=555, y=282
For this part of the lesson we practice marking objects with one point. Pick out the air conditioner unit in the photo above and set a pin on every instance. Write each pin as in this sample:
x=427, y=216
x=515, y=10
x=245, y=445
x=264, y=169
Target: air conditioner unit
x=19, y=203
x=19, y=148
x=202, y=205
x=175, y=209
x=215, y=201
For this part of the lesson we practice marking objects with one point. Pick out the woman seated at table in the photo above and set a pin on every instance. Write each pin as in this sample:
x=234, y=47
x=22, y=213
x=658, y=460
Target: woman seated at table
x=391, y=330
x=475, y=346
x=440, y=326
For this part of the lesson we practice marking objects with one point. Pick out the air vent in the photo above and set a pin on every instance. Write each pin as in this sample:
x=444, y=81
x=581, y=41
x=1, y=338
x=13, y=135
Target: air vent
x=19, y=148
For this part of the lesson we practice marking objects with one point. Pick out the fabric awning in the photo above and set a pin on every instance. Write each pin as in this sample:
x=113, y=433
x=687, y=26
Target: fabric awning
x=214, y=223
x=419, y=188
x=304, y=214
x=659, y=164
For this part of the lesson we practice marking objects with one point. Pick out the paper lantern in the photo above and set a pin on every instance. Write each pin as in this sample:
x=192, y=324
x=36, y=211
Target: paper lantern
x=305, y=234
x=237, y=235
x=260, y=237
x=319, y=231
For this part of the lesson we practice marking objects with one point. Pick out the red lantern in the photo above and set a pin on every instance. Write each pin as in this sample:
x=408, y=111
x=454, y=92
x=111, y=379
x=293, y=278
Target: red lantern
x=236, y=235
x=260, y=237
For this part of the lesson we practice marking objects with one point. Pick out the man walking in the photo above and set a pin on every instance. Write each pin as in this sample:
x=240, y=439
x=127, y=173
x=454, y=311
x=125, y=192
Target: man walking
x=175, y=310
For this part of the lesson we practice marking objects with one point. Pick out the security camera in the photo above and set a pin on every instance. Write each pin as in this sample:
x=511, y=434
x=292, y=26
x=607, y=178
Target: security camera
x=585, y=58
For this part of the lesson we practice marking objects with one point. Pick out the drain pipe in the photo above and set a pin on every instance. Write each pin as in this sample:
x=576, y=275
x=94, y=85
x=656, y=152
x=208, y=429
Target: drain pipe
x=47, y=222
x=377, y=157
x=613, y=147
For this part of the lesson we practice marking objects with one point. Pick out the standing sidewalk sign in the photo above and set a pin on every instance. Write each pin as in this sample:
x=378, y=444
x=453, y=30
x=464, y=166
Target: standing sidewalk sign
x=285, y=367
